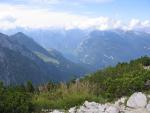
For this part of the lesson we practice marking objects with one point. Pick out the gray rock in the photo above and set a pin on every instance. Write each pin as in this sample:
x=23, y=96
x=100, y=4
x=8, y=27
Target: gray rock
x=141, y=110
x=72, y=110
x=148, y=107
x=112, y=109
x=137, y=103
x=121, y=101
x=91, y=107
x=137, y=100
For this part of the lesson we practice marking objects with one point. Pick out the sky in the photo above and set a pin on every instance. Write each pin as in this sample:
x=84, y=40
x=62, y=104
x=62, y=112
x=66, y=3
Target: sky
x=68, y=14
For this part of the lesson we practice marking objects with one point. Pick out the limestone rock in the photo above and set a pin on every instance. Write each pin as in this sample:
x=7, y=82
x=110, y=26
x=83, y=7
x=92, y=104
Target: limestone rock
x=137, y=100
x=148, y=107
x=90, y=107
x=137, y=103
x=72, y=110
x=120, y=101
x=140, y=110
x=112, y=109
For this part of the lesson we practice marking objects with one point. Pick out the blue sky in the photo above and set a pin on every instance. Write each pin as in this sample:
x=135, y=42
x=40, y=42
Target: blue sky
x=71, y=13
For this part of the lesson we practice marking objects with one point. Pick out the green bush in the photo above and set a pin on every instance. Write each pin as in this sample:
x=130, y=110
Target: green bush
x=13, y=100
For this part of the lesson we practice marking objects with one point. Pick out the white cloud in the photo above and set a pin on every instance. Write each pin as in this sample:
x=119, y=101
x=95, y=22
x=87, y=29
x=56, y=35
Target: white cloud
x=52, y=2
x=45, y=1
x=21, y=16
x=87, y=1
x=137, y=24
x=71, y=1
x=134, y=23
x=95, y=1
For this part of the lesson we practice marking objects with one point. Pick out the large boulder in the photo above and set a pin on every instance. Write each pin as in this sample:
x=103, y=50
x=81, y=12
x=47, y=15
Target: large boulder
x=137, y=100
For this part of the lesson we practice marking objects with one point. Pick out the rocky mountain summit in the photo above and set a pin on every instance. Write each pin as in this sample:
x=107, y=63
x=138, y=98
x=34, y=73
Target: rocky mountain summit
x=136, y=103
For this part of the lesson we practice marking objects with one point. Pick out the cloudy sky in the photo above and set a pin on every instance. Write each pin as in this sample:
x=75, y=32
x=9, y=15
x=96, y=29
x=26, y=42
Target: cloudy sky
x=68, y=14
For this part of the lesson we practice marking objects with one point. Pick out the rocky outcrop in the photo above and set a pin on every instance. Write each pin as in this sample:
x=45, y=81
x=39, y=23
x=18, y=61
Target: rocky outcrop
x=136, y=103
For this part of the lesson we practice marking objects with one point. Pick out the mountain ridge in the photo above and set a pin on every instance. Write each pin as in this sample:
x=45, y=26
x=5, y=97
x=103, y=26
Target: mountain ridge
x=111, y=47
x=27, y=48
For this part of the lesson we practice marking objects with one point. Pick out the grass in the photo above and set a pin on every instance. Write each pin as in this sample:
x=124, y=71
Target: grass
x=46, y=58
x=66, y=97
x=103, y=86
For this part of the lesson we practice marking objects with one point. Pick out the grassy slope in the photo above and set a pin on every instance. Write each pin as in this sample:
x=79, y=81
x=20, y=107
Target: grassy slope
x=104, y=85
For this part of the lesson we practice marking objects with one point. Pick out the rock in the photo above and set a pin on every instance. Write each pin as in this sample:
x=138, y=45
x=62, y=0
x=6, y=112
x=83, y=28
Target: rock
x=91, y=107
x=148, y=107
x=141, y=110
x=72, y=110
x=91, y=104
x=112, y=109
x=120, y=101
x=137, y=100
x=137, y=103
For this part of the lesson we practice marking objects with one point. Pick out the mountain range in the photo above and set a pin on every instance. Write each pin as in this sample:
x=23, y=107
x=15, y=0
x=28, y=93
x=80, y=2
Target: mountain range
x=106, y=48
x=22, y=59
x=95, y=49
x=62, y=55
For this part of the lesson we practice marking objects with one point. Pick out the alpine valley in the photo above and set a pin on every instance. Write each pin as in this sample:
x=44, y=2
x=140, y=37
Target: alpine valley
x=62, y=55
x=22, y=59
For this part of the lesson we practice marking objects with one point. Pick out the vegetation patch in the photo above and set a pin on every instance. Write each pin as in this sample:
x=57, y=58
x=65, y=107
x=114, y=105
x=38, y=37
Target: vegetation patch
x=102, y=86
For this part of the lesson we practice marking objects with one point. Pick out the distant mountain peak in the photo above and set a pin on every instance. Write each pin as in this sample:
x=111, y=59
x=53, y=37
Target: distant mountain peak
x=20, y=33
x=3, y=35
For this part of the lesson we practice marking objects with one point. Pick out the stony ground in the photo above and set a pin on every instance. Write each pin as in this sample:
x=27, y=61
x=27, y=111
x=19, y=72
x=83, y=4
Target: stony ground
x=136, y=103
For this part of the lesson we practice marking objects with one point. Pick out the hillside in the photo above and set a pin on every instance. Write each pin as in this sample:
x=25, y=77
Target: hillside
x=18, y=64
x=95, y=48
x=22, y=59
x=103, y=86
x=104, y=48
x=111, y=90
x=62, y=68
x=65, y=41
